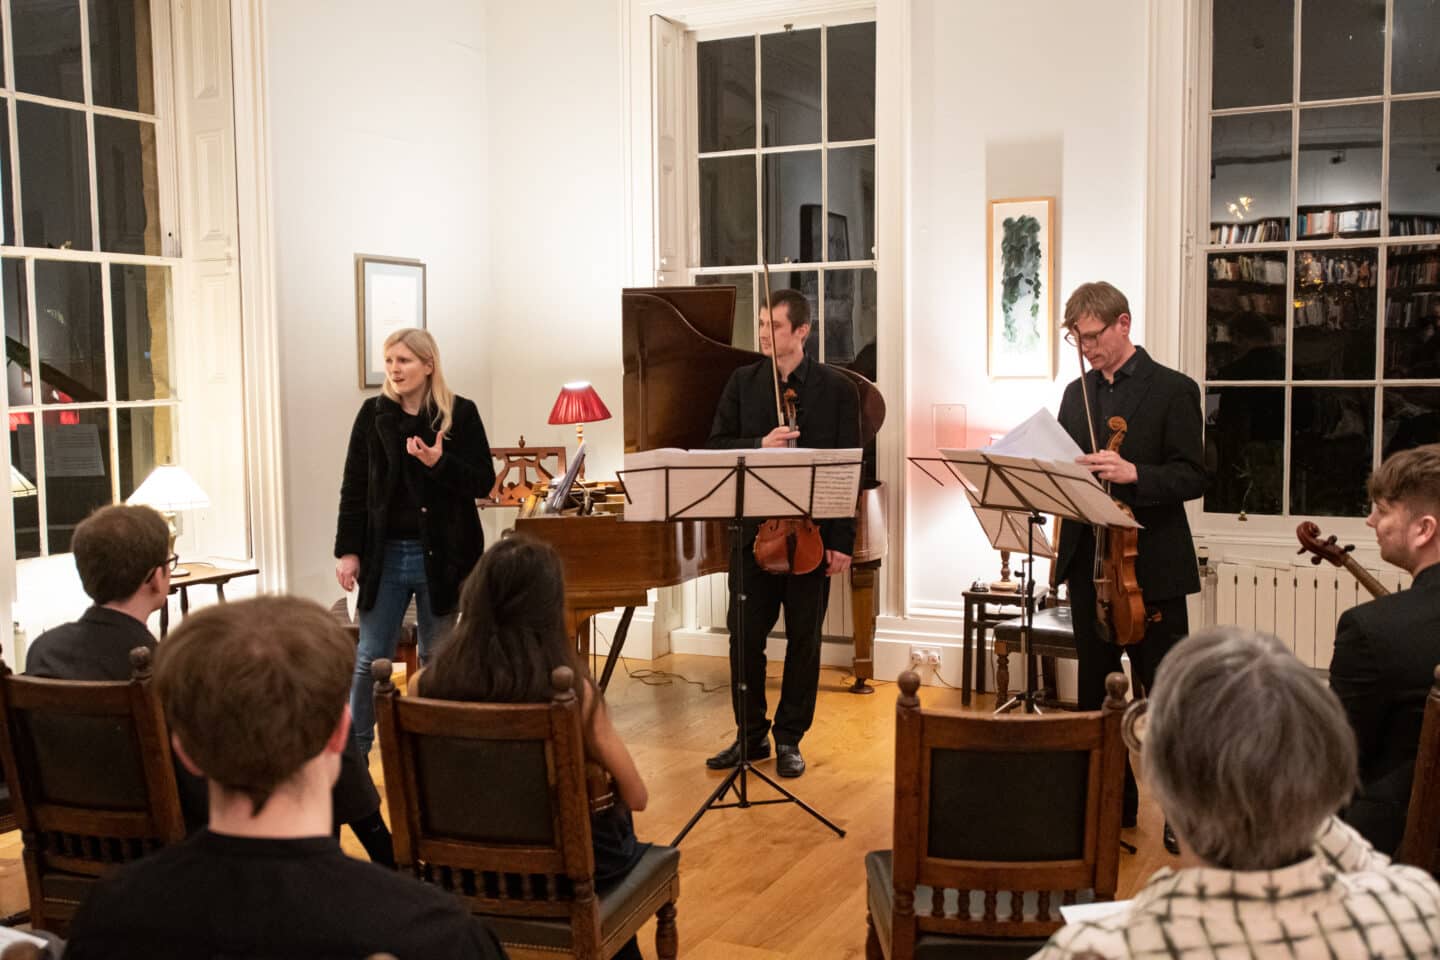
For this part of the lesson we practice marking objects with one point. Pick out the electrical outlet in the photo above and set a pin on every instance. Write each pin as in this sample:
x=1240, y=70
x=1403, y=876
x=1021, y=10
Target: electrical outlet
x=922, y=657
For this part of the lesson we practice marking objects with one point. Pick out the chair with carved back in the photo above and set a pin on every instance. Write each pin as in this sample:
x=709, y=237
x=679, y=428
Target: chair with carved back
x=91, y=776
x=998, y=821
x=1420, y=843
x=489, y=801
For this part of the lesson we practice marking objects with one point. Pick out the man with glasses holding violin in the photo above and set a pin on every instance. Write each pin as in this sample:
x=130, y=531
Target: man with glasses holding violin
x=1159, y=465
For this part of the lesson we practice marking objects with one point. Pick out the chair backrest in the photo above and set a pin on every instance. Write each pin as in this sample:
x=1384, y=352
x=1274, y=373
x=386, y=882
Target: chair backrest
x=1420, y=844
x=488, y=801
x=1003, y=818
x=91, y=778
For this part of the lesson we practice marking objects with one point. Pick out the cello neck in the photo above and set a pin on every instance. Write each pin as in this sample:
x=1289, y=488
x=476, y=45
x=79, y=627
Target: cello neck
x=1366, y=578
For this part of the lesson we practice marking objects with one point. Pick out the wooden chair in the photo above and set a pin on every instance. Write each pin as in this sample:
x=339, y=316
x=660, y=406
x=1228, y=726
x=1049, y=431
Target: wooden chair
x=998, y=820
x=92, y=780
x=1420, y=843
x=1052, y=636
x=488, y=801
x=407, y=645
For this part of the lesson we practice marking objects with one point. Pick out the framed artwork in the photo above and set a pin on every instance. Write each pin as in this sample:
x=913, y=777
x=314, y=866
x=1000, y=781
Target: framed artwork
x=1020, y=319
x=389, y=296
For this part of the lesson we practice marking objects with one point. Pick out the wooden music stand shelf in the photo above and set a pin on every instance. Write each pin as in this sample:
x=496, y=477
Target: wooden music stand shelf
x=546, y=463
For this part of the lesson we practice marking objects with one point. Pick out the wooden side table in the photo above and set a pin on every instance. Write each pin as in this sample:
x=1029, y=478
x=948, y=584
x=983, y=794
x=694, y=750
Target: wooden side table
x=983, y=610
x=200, y=573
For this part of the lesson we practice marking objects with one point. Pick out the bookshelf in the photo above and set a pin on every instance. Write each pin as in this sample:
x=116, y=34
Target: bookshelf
x=1265, y=230
x=1338, y=220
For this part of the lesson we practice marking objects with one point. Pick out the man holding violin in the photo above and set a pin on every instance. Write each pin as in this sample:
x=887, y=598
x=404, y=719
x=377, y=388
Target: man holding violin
x=1386, y=650
x=1158, y=465
x=827, y=416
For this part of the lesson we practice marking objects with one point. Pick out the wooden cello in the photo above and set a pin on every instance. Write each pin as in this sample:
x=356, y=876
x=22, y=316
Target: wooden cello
x=1308, y=533
x=788, y=545
x=1119, y=605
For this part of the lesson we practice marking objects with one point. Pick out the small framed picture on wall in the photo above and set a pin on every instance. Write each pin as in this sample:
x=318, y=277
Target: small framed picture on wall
x=389, y=296
x=1020, y=319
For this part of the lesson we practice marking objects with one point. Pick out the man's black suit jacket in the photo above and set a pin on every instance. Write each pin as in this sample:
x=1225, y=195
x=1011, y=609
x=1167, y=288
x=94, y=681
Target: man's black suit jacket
x=1384, y=663
x=1165, y=442
x=829, y=418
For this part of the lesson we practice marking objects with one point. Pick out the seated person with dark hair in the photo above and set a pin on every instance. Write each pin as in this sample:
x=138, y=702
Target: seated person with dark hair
x=123, y=556
x=256, y=694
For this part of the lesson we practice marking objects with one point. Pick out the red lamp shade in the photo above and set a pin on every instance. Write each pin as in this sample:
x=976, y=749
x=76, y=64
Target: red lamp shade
x=578, y=403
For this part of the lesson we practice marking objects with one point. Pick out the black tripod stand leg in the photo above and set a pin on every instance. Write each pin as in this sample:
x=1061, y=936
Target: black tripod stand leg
x=710, y=801
x=797, y=801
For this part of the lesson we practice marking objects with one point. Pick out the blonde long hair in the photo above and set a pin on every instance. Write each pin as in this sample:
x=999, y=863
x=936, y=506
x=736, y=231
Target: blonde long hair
x=438, y=395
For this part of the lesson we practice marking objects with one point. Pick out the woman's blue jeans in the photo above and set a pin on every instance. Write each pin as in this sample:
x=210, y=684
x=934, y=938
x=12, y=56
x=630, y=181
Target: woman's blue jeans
x=402, y=576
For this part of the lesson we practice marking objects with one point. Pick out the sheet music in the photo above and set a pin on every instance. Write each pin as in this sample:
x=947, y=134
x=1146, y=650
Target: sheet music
x=1080, y=912
x=777, y=481
x=1040, y=438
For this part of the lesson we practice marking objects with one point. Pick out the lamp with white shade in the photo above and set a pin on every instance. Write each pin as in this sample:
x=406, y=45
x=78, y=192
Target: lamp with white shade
x=169, y=489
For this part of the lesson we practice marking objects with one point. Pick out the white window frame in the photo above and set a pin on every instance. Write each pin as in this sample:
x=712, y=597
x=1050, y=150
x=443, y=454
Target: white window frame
x=1257, y=528
x=167, y=163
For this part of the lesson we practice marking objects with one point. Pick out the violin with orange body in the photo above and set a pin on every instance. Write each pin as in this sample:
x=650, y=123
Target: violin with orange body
x=789, y=545
x=1119, y=604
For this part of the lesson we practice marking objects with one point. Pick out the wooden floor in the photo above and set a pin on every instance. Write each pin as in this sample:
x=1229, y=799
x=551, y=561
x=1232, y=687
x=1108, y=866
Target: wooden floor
x=766, y=882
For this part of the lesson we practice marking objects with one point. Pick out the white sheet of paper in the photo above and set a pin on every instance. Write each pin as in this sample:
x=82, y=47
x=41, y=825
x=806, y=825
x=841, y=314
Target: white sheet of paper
x=1040, y=437
x=352, y=601
x=1059, y=487
x=1080, y=912
x=705, y=489
x=9, y=935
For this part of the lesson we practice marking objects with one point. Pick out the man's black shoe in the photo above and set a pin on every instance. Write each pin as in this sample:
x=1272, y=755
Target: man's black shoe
x=1172, y=845
x=788, y=762
x=730, y=756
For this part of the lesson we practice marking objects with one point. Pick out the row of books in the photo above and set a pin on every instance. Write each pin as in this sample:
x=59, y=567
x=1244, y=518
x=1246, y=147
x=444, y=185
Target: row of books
x=1254, y=269
x=1329, y=223
x=1317, y=268
x=1261, y=231
x=1420, y=273
x=1413, y=225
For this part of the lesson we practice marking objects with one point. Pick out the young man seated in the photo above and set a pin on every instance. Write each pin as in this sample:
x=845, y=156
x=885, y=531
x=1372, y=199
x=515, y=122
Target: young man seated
x=256, y=694
x=123, y=556
x=1250, y=756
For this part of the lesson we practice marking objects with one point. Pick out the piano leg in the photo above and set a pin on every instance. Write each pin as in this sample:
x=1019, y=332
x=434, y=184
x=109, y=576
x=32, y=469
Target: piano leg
x=862, y=608
x=616, y=645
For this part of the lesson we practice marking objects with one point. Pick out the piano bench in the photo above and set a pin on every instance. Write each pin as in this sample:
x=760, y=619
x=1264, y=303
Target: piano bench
x=406, y=647
x=1052, y=636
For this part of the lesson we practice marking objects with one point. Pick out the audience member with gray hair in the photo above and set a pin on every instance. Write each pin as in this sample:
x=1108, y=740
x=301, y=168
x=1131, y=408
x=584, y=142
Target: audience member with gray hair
x=1250, y=756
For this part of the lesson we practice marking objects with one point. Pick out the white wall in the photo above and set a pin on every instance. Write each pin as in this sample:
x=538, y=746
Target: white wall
x=380, y=145
x=556, y=219
x=1022, y=99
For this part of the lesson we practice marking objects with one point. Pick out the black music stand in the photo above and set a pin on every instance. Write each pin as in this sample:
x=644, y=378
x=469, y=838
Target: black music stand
x=1031, y=488
x=741, y=473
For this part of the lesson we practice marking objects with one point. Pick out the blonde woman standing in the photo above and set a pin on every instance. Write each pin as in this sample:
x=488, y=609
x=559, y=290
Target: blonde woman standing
x=408, y=527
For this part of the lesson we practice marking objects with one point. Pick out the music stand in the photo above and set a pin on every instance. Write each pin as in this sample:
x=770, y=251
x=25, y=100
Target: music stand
x=1031, y=488
x=698, y=486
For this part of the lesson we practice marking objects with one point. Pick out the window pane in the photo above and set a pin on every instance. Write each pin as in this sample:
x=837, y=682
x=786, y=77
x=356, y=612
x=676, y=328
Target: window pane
x=71, y=329
x=1412, y=418
x=850, y=70
x=7, y=188
x=127, y=180
x=1339, y=172
x=808, y=283
x=852, y=204
x=1250, y=178
x=725, y=87
x=790, y=87
x=17, y=333
x=140, y=305
x=727, y=211
x=47, y=48
x=1335, y=296
x=1332, y=430
x=54, y=177
x=1244, y=443
x=792, y=205
x=23, y=492
x=1415, y=56
x=77, y=470
x=743, y=333
x=1412, y=312
x=120, y=66
x=1414, y=167
x=850, y=319
x=145, y=436
x=1245, y=317
x=1254, y=52
x=1342, y=48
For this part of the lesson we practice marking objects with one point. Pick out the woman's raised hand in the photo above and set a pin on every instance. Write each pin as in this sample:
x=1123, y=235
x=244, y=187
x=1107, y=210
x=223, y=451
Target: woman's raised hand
x=426, y=454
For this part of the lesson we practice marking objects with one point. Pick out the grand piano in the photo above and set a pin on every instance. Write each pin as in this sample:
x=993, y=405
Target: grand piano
x=677, y=360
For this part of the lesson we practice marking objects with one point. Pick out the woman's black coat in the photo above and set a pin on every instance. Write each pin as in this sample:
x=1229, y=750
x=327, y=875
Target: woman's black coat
x=449, y=522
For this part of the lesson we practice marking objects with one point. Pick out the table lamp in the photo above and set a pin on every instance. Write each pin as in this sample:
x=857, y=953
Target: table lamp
x=169, y=489
x=20, y=485
x=579, y=404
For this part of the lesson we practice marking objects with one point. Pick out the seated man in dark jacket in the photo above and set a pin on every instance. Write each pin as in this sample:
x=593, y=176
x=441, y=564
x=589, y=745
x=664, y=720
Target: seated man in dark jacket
x=123, y=556
x=255, y=695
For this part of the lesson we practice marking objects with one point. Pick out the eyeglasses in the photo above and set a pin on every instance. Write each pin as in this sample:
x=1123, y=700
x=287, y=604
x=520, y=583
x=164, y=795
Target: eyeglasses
x=1134, y=724
x=172, y=562
x=1085, y=339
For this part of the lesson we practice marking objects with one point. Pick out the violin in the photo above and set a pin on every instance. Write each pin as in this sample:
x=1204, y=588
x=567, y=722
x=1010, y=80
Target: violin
x=1308, y=533
x=789, y=545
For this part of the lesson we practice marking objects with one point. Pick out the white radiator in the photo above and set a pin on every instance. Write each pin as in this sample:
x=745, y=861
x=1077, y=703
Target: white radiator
x=1300, y=604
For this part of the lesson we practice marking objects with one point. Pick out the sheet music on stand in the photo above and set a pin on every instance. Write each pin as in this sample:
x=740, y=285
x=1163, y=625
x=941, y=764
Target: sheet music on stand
x=675, y=484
